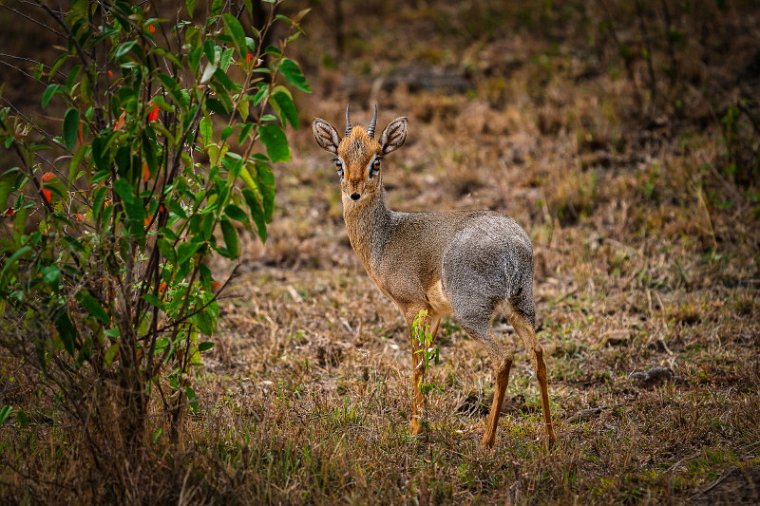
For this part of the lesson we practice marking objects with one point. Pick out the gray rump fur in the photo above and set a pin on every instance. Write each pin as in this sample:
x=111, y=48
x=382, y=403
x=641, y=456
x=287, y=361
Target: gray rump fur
x=488, y=261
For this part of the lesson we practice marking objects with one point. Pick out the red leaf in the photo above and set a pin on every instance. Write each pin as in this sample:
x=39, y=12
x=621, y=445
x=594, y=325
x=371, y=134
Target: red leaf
x=120, y=122
x=47, y=195
x=153, y=114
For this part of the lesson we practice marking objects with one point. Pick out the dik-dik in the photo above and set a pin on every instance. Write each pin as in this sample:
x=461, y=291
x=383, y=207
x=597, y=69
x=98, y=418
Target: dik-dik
x=467, y=264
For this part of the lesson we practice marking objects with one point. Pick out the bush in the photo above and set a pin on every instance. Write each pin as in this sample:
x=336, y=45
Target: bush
x=105, y=290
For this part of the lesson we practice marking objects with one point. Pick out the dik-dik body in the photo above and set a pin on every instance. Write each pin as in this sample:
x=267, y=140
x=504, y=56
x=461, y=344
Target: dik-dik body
x=465, y=264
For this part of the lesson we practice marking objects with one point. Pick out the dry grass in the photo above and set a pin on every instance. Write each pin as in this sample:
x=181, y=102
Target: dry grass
x=647, y=256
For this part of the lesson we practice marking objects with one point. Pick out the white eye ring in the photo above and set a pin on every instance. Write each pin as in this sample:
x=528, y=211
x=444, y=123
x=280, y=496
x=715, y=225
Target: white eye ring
x=374, y=169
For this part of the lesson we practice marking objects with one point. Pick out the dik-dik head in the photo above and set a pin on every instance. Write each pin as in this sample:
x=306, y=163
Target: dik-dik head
x=358, y=155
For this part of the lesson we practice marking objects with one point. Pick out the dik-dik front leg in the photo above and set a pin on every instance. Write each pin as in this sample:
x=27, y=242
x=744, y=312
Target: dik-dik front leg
x=418, y=370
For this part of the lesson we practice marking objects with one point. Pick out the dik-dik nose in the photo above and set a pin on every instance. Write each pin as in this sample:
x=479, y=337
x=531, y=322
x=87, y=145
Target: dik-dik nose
x=355, y=196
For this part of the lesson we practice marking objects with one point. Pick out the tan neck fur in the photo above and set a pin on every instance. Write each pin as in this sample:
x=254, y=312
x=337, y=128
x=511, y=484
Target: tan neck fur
x=368, y=225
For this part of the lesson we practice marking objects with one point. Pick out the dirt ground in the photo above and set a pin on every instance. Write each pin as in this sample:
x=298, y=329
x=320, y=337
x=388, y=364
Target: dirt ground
x=646, y=282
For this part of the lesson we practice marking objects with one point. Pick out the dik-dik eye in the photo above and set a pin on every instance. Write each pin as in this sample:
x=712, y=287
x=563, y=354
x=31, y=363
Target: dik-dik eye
x=375, y=168
x=339, y=167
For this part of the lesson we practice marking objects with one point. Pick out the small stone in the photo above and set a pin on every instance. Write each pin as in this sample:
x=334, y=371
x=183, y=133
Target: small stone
x=651, y=377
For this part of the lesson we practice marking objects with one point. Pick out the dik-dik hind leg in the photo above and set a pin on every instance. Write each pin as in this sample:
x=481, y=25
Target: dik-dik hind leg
x=418, y=371
x=502, y=363
x=478, y=326
x=524, y=329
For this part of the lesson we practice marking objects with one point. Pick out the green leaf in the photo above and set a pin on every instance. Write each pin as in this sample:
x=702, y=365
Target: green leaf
x=190, y=6
x=266, y=185
x=124, y=190
x=15, y=256
x=225, y=81
x=186, y=250
x=208, y=72
x=292, y=72
x=235, y=29
x=244, y=132
x=173, y=88
x=192, y=399
x=7, y=181
x=153, y=300
x=226, y=59
x=276, y=143
x=70, y=128
x=236, y=213
x=282, y=102
x=204, y=346
x=97, y=202
x=101, y=154
x=124, y=48
x=66, y=330
x=233, y=163
x=257, y=213
x=49, y=93
x=205, y=321
x=216, y=106
x=135, y=222
x=22, y=418
x=167, y=250
x=93, y=307
x=206, y=130
x=260, y=94
x=76, y=160
x=51, y=274
x=244, y=107
x=5, y=412
x=230, y=238
x=110, y=354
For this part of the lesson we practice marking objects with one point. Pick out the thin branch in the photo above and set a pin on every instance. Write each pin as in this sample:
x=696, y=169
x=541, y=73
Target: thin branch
x=29, y=60
x=36, y=22
x=199, y=309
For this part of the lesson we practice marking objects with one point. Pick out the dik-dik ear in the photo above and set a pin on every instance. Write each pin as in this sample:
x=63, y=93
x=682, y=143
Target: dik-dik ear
x=326, y=136
x=394, y=135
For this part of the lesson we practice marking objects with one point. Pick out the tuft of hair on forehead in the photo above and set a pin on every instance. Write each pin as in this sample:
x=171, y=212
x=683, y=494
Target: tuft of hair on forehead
x=357, y=146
